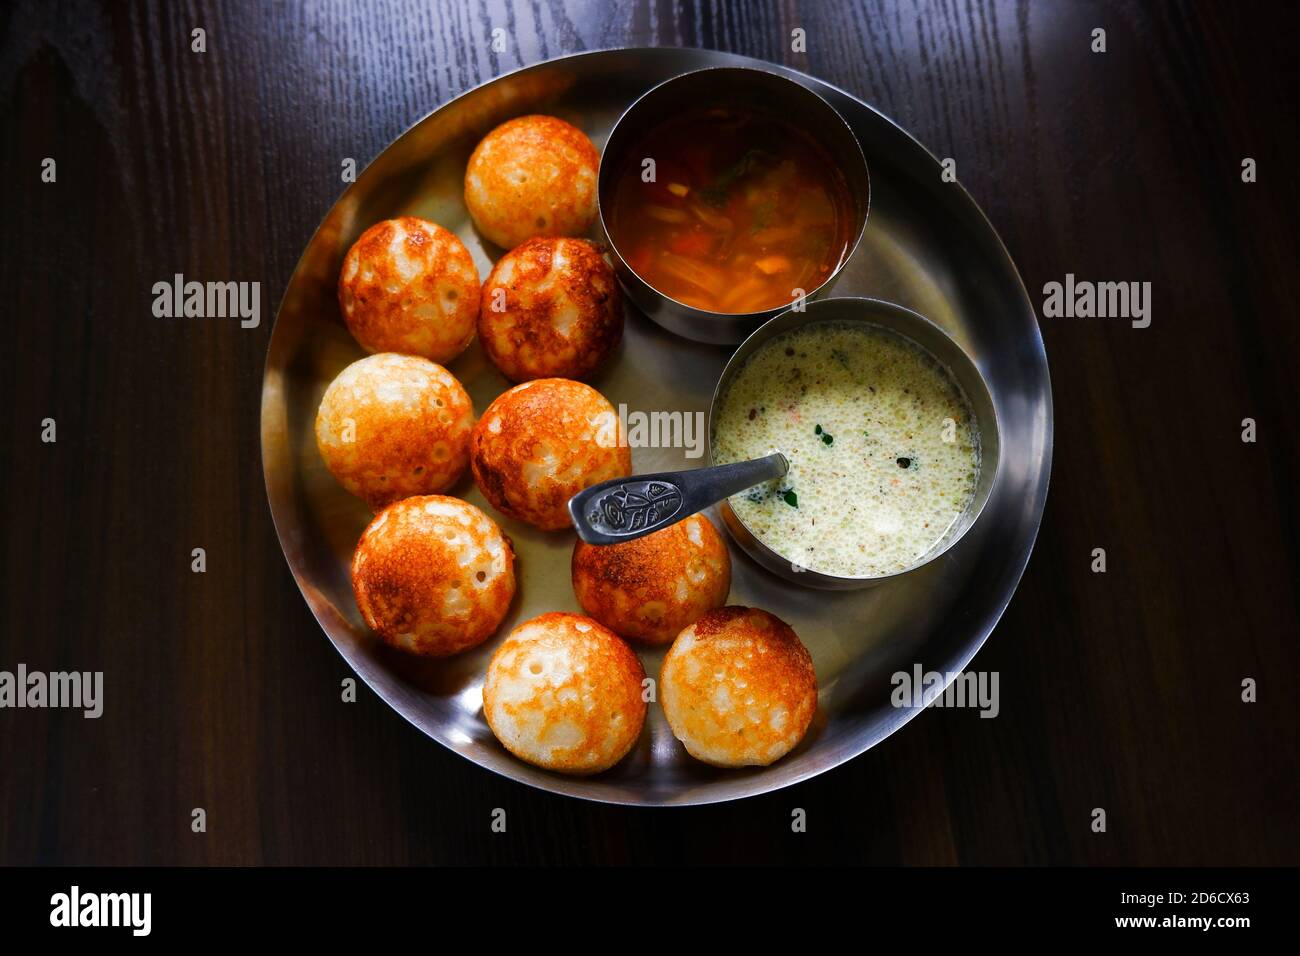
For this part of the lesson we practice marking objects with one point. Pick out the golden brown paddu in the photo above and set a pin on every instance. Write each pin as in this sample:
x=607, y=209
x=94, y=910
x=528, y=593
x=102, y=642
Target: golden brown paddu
x=651, y=587
x=541, y=443
x=532, y=176
x=551, y=308
x=433, y=575
x=564, y=693
x=408, y=285
x=738, y=688
x=391, y=426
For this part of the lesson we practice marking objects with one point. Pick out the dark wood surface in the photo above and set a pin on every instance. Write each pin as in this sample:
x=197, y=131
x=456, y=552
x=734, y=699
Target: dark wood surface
x=1119, y=690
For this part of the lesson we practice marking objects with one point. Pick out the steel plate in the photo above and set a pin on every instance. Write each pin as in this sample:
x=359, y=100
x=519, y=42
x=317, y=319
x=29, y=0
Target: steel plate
x=927, y=246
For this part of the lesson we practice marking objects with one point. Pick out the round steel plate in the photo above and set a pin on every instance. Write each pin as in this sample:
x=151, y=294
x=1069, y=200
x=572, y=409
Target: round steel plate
x=927, y=246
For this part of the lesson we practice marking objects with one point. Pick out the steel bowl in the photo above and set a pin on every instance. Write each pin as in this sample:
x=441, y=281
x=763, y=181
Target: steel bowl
x=756, y=91
x=931, y=339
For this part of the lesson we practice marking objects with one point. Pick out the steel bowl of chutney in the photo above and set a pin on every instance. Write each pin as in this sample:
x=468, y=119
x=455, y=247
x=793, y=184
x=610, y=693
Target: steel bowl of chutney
x=727, y=195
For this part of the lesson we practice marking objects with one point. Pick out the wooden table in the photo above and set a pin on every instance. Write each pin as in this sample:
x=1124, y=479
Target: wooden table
x=1120, y=690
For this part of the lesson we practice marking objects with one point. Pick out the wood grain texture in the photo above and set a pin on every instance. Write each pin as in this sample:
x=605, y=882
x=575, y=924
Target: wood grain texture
x=1119, y=690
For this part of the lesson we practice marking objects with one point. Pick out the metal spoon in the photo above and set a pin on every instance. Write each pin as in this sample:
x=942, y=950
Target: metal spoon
x=627, y=508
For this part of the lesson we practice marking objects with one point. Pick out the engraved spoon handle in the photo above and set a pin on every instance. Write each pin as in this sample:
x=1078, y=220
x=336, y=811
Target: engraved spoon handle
x=627, y=508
